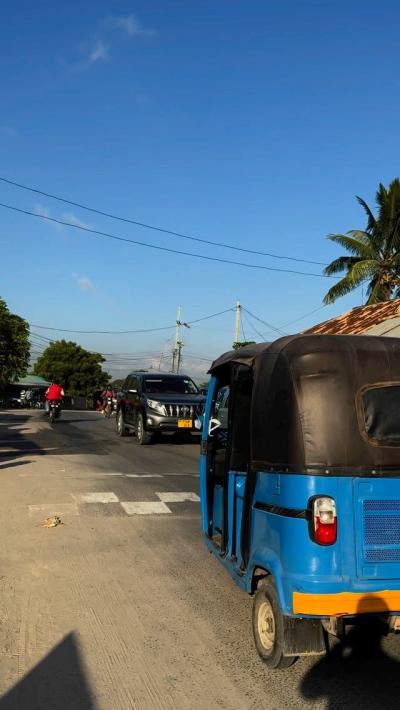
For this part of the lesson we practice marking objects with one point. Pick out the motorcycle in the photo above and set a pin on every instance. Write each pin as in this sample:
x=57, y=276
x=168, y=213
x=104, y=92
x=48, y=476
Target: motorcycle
x=108, y=409
x=54, y=410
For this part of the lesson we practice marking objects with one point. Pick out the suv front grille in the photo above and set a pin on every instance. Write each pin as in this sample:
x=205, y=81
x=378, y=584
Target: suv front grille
x=184, y=411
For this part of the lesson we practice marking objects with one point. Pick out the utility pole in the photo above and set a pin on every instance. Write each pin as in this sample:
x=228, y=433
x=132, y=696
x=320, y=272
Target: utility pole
x=237, y=322
x=178, y=344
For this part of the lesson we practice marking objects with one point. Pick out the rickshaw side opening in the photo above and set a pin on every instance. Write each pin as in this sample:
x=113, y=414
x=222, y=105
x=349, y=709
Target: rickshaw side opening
x=300, y=486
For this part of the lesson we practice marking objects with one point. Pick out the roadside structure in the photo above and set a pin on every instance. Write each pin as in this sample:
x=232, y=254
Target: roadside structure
x=37, y=385
x=379, y=319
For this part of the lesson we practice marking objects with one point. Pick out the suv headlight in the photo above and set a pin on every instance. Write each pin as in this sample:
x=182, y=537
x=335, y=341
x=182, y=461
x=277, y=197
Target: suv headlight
x=157, y=406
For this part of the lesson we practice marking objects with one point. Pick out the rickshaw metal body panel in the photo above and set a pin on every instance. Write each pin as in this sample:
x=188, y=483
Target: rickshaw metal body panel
x=260, y=519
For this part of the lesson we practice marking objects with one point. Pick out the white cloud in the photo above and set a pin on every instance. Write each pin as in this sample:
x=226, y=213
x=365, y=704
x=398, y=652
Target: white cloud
x=129, y=25
x=41, y=210
x=99, y=53
x=84, y=283
x=44, y=211
x=70, y=217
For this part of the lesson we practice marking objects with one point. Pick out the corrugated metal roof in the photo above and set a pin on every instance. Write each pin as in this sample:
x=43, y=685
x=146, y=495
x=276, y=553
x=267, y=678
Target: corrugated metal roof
x=31, y=381
x=361, y=320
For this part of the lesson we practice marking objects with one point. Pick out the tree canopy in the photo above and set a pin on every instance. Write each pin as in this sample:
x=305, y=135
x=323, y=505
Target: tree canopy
x=374, y=253
x=242, y=343
x=76, y=369
x=14, y=345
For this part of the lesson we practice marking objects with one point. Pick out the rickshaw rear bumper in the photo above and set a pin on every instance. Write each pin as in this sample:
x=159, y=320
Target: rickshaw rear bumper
x=346, y=603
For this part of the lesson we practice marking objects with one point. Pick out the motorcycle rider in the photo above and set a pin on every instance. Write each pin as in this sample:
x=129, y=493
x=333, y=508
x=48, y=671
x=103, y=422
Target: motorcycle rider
x=107, y=394
x=54, y=392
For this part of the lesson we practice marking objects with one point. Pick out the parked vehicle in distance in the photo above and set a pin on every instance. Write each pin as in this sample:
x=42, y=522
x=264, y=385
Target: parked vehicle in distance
x=158, y=403
x=300, y=485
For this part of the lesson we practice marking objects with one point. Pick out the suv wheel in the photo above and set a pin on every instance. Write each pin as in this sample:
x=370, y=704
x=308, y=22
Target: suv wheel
x=121, y=428
x=143, y=437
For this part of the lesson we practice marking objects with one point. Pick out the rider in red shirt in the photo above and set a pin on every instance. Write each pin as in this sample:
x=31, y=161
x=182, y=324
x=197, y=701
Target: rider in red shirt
x=54, y=392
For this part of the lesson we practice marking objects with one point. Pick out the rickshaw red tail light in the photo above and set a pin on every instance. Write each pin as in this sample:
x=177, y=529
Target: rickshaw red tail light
x=324, y=520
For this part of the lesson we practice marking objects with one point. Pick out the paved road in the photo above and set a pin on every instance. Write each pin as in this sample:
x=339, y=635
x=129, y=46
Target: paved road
x=122, y=606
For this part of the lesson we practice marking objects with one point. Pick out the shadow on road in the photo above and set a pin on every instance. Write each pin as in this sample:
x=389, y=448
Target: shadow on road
x=17, y=439
x=15, y=442
x=12, y=464
x=56, y=683
x=357, y=672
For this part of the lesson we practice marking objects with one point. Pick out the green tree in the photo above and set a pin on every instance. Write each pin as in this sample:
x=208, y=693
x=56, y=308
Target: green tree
x=374, y=253
x=117, y=384
x=77, y=369
x=14, y=345
x=242, y=343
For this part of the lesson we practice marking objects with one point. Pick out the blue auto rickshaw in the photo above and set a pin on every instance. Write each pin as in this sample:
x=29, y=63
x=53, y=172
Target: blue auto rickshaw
x=300, y=485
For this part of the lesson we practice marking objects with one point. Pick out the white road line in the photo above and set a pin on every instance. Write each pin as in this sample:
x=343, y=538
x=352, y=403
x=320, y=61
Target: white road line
x=144, y=475
x=149, y=475
x=182, y=474
x=145, y=508
x=171, y=497
x=48, y=509
x=96, y=498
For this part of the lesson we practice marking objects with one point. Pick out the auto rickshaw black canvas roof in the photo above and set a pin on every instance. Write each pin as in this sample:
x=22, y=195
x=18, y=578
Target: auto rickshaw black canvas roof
x=321, y=402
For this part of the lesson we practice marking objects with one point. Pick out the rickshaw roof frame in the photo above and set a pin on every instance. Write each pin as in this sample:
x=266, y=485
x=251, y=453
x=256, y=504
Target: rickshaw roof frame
x=306, y=410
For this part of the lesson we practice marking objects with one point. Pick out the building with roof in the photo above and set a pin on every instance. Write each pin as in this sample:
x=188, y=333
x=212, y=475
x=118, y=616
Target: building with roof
x=379, y=319
x=12, y=392
x=31, y=382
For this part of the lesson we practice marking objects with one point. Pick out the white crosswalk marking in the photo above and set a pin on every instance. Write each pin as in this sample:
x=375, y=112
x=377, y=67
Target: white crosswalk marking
x=145, y=508
x=172, y=497
x=158, y=507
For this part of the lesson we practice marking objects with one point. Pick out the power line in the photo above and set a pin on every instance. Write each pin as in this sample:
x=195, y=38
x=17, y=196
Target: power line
x=144, y=225
x=252, y=326
x=310, y=313
x=243, y=333
x=123, y=332
x=260, y=320
x=107, y=235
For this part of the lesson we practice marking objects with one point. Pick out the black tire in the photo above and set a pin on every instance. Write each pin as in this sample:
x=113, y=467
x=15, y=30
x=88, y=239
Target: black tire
x=121, y=428
x=52, y=415
x=143, y=437
x=268, y=626
x=107, y=411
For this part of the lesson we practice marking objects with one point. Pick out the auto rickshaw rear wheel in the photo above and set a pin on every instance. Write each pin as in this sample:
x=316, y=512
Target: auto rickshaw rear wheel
x=268, y=626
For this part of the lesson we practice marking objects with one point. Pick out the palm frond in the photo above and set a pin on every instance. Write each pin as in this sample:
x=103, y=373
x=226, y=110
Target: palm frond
x=375, y=293
x=359, y=246
x=342, y=288
x=340, y=264
x=363, y=270
x=358, y=273
x=371, y=219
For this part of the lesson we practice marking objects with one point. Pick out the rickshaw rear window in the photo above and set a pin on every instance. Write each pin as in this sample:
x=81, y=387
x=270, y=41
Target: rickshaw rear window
x=381, y=409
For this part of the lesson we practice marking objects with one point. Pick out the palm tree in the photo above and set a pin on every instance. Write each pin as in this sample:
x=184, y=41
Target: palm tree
x=375, y=252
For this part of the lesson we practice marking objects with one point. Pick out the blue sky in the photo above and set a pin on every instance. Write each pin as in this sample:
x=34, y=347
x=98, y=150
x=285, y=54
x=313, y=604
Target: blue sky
x=253, y=123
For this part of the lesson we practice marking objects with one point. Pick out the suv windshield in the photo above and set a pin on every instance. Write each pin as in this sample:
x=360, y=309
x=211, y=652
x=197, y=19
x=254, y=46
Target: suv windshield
x=169, y=385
